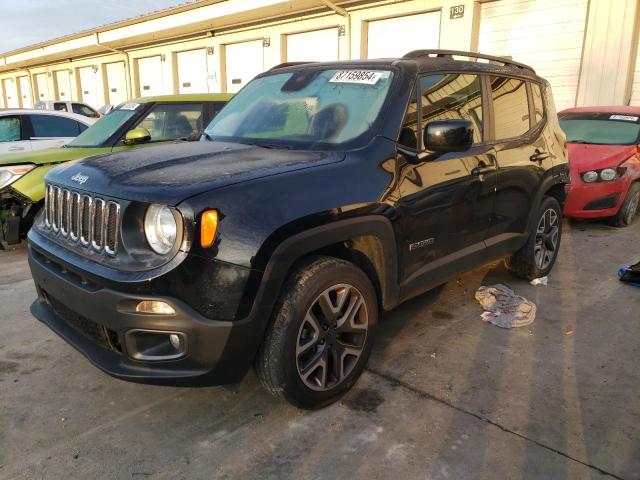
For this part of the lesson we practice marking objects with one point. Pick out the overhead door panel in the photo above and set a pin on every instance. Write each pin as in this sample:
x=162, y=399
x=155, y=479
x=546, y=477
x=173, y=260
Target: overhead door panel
x=394, y=37
x=10, y=93
x=63, y=85
x=89, y=86
x=192, y=71
x=25, y=92
x=546, y=34
x=316, y=46
x=42, y=87
x=635, y=87
x=243, y=61
x=150, y=76
x=116, y=83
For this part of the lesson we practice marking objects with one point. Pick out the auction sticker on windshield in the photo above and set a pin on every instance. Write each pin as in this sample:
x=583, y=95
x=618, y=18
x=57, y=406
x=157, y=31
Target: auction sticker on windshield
x=626, y=118
x=129, y=106
x=366, y=77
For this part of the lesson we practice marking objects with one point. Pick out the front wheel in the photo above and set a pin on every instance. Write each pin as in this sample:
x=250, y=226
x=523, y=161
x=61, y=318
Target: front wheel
x=322, y=333
x=629, y=207
x=537, y=257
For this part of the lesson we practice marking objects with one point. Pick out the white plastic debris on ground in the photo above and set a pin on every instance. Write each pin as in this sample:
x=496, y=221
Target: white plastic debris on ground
x=504, y=308
x=539, y=281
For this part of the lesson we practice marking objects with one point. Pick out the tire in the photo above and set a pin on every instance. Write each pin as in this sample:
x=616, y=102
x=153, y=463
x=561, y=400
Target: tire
x=310, y=358
x=629, y=207
x=539, y=254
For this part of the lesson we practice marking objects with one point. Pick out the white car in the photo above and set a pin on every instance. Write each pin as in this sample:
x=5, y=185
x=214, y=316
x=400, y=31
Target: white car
x=27, y=130
x=71, y=107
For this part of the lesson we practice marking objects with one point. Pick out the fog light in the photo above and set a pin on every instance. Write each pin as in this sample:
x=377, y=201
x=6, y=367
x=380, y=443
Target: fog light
x=153, y=345
x=155, y=307
x=175, y=341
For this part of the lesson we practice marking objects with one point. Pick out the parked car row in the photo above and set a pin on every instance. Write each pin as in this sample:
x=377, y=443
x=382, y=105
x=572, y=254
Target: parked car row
x=319, y=196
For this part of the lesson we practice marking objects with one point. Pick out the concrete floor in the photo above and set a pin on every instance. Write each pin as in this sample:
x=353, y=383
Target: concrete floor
x=445, y=396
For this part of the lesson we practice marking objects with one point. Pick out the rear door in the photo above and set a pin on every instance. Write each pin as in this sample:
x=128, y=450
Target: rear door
x=446, y=203
x=12, y=137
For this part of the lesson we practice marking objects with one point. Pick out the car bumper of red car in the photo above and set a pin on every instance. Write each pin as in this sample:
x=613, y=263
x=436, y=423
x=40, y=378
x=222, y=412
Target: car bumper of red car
x=595, y=200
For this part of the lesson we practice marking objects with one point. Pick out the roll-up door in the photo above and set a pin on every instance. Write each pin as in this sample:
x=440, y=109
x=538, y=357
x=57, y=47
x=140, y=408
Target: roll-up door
x=546, y=34
x=394, y=37
x=316, y=46
x=10, y=93
x=63, y=85
x=89, y=86
x=243, y=61
x=192, y=71
x=150, y=76
x=25, y=92
x=116, y=83
x=42, y=87
x=635, y=87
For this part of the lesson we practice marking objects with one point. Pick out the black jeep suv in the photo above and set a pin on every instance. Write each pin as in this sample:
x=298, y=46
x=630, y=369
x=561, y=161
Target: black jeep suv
x=321, y=195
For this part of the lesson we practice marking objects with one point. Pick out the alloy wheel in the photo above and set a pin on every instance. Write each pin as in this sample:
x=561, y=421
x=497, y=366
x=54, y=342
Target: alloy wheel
x=633, y=208
x=331, y=337
x=547, y=236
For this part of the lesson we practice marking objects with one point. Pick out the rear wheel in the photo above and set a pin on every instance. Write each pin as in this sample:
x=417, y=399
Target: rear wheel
x=537, y=257
x=322, y=334
x=629, y=208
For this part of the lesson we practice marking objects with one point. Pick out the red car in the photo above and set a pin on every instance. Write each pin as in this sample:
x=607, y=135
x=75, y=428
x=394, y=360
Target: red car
x=604, y=157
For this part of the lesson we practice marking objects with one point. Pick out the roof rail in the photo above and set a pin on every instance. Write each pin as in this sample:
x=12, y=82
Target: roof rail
x=450, y=53
x=289, y=64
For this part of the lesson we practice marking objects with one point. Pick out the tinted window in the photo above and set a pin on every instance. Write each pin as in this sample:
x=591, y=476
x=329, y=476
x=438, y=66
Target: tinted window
x=409, y=131
x=61, y=107
x=538, y=103
x=52, y=126
x=174, y=121
x=9, y=129
x=452, y=96
x=83, y=110
x=510, y=107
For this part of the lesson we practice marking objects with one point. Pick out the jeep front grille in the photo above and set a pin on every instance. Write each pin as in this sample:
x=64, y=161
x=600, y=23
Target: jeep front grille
x=81, y=218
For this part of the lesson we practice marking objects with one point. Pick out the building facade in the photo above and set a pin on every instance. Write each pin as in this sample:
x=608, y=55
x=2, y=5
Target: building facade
x=587, y=49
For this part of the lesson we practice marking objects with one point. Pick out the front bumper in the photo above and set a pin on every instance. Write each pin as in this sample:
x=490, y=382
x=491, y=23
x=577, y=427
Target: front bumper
x=95, y=320
x=595, y=200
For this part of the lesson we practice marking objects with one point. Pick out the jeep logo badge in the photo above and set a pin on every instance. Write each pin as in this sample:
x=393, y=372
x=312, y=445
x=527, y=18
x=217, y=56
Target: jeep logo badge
x=81, y=179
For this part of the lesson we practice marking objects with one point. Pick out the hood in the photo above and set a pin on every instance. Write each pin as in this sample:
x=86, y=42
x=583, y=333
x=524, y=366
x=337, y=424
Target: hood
x=49, y=155
x=584, y=157
x=171, y=173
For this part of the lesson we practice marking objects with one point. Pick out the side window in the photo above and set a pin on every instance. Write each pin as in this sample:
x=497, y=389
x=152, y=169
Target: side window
x=82, y=127
x=81, y=109
x=173, y=121
x=50, y=126
x=510, y=107
x=9, y=129
x=409, y=131
x=60, y=107
x=452, y=96
x=538, y=103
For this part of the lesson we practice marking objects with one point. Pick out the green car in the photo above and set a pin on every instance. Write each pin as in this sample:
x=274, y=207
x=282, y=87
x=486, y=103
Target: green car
x=139, y=122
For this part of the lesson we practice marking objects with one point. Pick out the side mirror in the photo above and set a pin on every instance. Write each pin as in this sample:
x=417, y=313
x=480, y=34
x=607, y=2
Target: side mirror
x=443, y=136
x=137, y=136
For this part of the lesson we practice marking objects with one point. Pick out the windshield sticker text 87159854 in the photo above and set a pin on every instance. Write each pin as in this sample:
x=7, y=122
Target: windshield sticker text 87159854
x=366, y=77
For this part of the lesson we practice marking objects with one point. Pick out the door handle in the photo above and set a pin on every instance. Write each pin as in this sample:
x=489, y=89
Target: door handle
x=483, y=170
x=539, y=156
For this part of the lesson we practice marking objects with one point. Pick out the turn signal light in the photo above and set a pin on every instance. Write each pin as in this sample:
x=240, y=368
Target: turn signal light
x=208, y=228
x=155, y=307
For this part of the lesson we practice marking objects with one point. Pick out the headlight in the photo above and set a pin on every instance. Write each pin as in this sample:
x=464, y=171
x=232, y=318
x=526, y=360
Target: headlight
x=608, y=174
x=10, y=174
x=590, y=177
x=604, y=175
x=160, y=228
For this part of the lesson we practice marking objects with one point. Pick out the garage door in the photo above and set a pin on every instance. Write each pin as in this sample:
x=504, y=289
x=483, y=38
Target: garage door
x=25, y=92
x=394, y=37
x=317, y=46
x=116, y=83
x=10, y=93
x=42, y=86
x=635, y=87
x=192, y=71
x=546, y=34
x=89, y=86
x=243, y=61
x=150, y=76
x=63, y=85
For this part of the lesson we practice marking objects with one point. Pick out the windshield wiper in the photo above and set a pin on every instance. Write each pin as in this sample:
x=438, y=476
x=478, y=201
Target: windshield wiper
x=581, y=141
x=271, y=146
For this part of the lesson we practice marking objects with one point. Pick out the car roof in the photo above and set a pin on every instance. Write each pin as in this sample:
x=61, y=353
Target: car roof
x=33, y=111
x=605, y=109
x=185, y=97
x=431, y=61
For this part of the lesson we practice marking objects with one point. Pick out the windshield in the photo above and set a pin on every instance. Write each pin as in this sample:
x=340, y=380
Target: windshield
x=102, y=130
x=601, y=128
x=311, y=109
